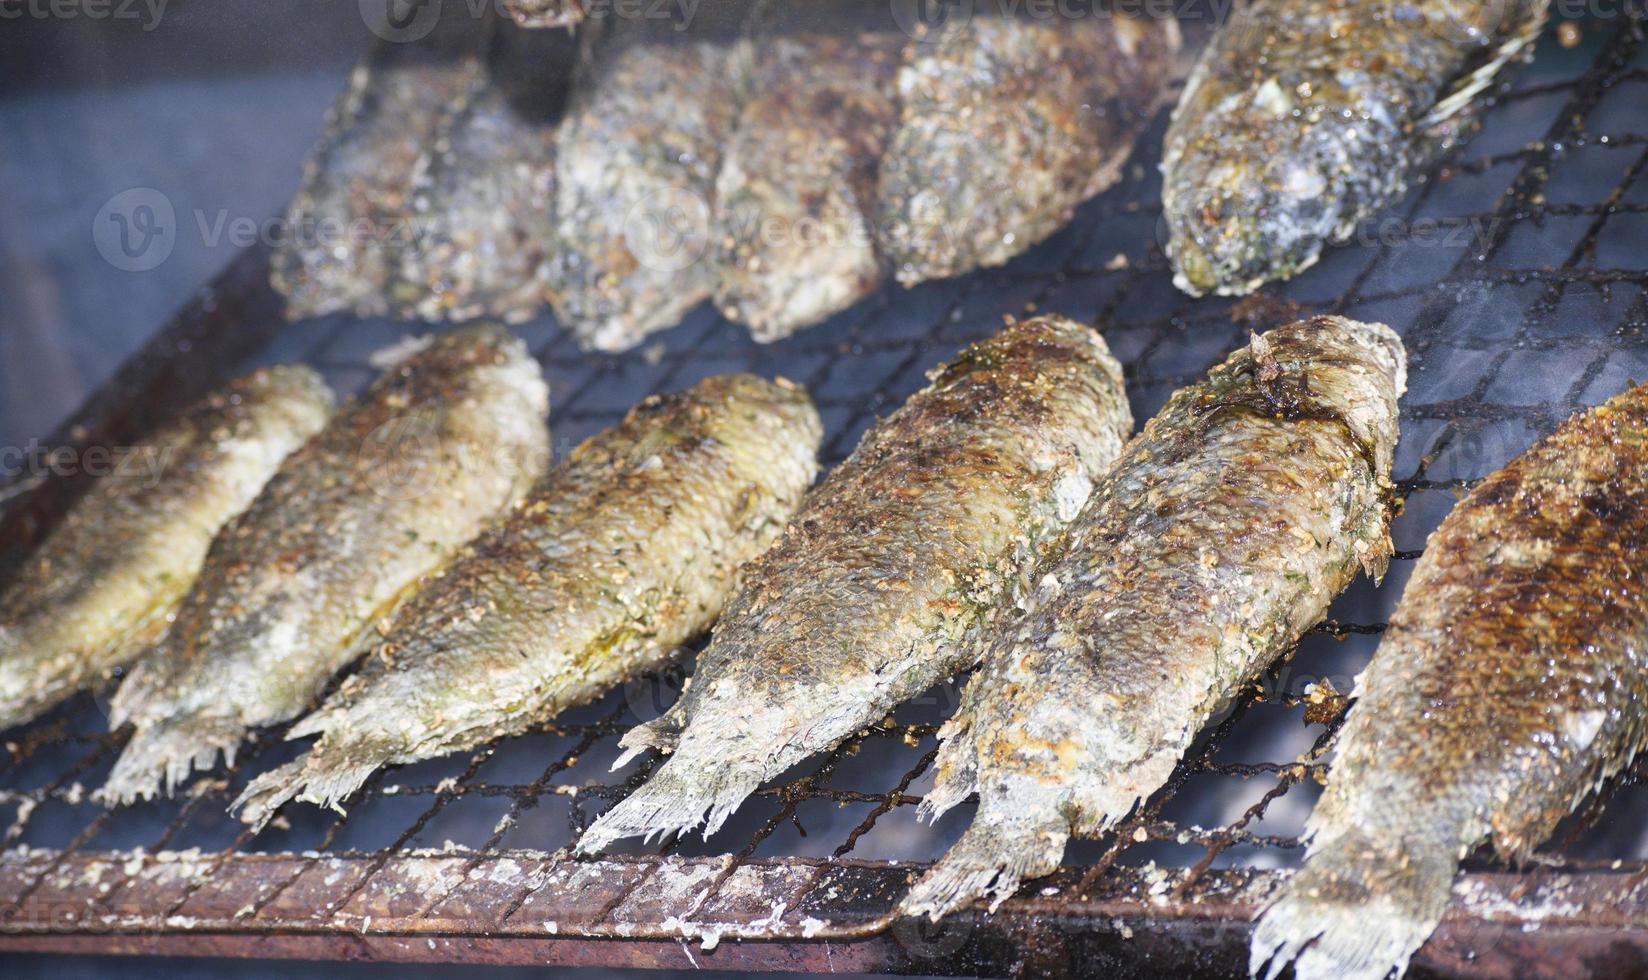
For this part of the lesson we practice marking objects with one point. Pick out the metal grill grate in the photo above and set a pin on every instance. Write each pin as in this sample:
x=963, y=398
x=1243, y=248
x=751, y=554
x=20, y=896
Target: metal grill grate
x=1518, y=276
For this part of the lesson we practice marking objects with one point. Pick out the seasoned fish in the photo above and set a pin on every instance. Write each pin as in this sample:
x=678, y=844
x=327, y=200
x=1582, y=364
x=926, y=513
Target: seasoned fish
x=1303, y=117
x=1007, y=125
x=100, y=587
x=1220, y=536
x=636, y=162
x=388, y=491
x=907, y=548
x=483, y=194
x=1509, y=684
x=625, y=551
x=348, y=225
x=795, y=201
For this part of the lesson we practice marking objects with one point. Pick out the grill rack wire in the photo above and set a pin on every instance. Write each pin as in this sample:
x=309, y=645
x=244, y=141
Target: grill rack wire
x=1518, y=277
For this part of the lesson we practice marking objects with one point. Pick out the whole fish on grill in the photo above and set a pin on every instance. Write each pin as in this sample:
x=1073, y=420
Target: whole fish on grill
x=626, y=550
x=399, y=480
x=636, y=162
x=909, y=547
x=1218, y=538
x=347, y=227
x=483, y=193
x=1509, y=684
x=1007, y=125
x=100, y=587
x=1304, y=117
x=795, y=200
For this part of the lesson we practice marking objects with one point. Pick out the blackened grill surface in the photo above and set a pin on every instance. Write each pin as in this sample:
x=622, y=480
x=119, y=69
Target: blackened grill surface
x=1518, y=277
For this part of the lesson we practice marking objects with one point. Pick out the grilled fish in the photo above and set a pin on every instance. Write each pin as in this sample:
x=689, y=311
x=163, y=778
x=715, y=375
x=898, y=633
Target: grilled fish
x=636, y=161
x=482, y=195
x=348, y=225
x=912, y=544
x=1218, y=538
x=1303, y=117
x=625, y=551
x=1509, y=684
x=1006, y=126
x=101, y=586
x=795, y=200
x=387, y=492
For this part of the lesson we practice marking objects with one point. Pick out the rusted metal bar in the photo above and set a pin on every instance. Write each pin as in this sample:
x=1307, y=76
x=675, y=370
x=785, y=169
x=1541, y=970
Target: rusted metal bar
x=535, y=907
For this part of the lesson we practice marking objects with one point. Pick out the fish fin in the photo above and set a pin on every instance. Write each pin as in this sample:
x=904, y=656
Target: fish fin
x=265, y=795
x=957, y=765
x=1462, y=99
x=998, y=852
x=1358, y=909
x=685, y=791
x=661, y=733
x=161, y=756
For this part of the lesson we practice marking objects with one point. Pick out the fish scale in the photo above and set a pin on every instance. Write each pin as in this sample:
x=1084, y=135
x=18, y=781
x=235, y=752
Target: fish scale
x=1303, y=117
x=871, y=596
x=100, y=588
x=1220, y=536
x=621, y=554
x=1509, y=684
x=400, y=478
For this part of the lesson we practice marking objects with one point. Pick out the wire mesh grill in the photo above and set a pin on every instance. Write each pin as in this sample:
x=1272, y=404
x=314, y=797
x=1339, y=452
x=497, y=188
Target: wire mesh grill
x=1517, y=275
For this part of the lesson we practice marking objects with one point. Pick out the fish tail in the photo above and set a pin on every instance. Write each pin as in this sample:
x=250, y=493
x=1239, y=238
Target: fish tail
x=266, y=794
x=998, y=852
x=1358, y=909
x=161, y=756
x=661, y=733
x=957, y=765
x=683, y=793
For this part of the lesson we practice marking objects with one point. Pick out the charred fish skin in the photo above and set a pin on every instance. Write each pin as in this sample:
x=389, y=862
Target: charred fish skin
x=1007, y=125
x=483, y=194
x=348, y=224
x=636, y=163
x=795, y=199
x=624, y=552
x=872, y=595
x=1304, y=117
x=1508, y=685
x=1219, y=537
x=399, y=480
x=101, y=586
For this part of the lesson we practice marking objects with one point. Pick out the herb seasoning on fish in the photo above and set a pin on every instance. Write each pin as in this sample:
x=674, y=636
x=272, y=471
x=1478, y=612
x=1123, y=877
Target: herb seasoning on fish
x=483, y=195
x=908, y=547
x=1219, y=537
x=1508, y=685
x=347, y=226
x=795, y=200
x=625, y=551
x=397, y=482
x=636, y=162
x=101, y=586
x=1007, y=125
x=1303, y=117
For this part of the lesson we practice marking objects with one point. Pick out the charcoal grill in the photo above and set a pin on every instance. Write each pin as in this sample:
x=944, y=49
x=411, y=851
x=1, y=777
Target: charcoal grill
x=1518, y=276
